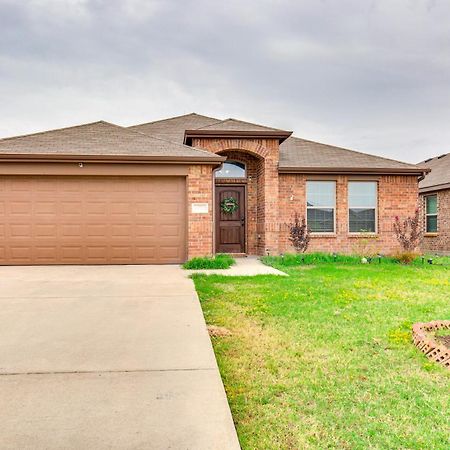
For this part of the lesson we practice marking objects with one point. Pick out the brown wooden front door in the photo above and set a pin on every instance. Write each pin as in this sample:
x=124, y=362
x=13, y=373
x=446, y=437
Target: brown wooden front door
x=230, y=227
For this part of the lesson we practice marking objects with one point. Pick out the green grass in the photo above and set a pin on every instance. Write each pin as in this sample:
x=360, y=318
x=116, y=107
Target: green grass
x=220, y=261
x=295, y=259
x=323, y=358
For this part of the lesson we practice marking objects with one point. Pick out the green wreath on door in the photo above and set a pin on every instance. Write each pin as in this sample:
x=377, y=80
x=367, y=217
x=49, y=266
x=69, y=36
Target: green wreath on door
x=229, y=205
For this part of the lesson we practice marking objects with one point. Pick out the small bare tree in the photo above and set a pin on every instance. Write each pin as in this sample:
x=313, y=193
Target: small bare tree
x=409, y=233
x=299, y=234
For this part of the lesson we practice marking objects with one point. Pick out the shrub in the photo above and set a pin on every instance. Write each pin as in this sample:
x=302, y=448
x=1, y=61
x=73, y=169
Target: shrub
x=299, y=234
x=366, y=245
x=409, y=233
x=405, y=257
x=219, y=261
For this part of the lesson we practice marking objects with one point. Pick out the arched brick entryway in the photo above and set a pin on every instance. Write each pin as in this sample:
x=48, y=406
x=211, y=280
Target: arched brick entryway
x=261, y=157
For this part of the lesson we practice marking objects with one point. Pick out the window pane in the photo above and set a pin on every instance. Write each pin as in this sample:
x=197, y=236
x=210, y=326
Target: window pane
x=321, y=220
x=431, y=204
x=362, y=219
x=320, y=193
x=362, y=194
x=231, y=169
x=432, y=224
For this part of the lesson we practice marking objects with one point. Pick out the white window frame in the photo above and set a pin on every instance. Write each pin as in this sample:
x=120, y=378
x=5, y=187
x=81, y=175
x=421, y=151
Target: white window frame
x=427, y=214
x=358, y=233
x=322, y=233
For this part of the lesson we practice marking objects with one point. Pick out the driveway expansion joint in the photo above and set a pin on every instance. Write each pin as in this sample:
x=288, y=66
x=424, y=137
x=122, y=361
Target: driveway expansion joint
x=76, y=372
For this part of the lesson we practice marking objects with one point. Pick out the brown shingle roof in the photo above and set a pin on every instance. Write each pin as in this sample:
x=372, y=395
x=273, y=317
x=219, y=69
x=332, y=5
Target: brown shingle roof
x=163, y=139
x=439, y=177
x=300, y=154
x=295, y=153
x=99, y=139
x=236, y=125
x=173, y=129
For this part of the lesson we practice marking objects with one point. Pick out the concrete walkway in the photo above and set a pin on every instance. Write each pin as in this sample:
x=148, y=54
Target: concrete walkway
x=248, y=266
x=107, y=357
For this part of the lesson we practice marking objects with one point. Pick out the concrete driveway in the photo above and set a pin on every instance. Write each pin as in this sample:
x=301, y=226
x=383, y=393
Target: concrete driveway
x=113, y=357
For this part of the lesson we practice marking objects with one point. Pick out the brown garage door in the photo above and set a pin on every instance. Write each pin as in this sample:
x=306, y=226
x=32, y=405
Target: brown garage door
x=92, y=220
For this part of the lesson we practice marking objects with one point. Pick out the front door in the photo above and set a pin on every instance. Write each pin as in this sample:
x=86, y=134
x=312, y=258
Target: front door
x=230, y=219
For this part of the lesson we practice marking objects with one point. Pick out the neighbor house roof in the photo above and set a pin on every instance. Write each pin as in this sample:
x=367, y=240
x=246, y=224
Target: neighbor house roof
x=439, y=177
x=296, y=155
x=100, y=140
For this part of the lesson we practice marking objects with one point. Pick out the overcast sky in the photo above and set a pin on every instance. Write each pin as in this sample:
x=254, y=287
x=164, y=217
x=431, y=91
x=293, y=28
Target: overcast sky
x=372, y=75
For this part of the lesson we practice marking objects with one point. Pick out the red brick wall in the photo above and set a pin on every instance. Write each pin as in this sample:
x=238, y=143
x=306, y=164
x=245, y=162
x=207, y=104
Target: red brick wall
x=200, y=226
x=439, y=242
x=397, y=195
x=274, y=198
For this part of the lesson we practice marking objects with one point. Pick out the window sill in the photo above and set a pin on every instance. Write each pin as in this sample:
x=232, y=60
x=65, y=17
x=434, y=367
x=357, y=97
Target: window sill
x=359, y=235
x=431, y=234
x=319, y=235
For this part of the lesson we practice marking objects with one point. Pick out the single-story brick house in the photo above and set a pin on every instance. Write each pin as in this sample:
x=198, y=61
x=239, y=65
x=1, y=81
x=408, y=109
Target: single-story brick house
x=435, y=201
x=165, y=191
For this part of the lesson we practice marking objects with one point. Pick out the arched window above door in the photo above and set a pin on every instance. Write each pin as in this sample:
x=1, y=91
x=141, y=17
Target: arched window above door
x=232, y=169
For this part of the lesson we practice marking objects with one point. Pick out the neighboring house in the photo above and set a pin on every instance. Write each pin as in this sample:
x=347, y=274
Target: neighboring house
x=435, y=201
x=172, y=189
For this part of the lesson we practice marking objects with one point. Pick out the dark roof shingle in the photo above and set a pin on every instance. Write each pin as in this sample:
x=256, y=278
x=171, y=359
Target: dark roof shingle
x=173, y=129
x=236, y=125
x=98, y=139
x=294, y=152
x=303, y=154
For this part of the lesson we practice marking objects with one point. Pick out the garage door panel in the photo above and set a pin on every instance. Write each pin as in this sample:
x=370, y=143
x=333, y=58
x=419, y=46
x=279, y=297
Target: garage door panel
x=70, y=207
x=20, y=207
x=45, y=254
x=92, y=220
x=20, y=230
x=44, y=230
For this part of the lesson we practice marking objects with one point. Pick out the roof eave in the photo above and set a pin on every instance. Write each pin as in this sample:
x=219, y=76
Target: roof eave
x=142, y=159
x=353, y=170
x=436, y=187
x=265, y=134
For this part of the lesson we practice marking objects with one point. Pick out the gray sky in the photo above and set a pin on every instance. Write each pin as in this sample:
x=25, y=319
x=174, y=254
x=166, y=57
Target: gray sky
x=368, y=75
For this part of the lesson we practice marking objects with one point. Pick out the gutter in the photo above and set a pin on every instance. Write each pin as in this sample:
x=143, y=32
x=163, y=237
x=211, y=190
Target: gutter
x=354, y=170
x=230, y=134
x=118, y=159
x=436, y=187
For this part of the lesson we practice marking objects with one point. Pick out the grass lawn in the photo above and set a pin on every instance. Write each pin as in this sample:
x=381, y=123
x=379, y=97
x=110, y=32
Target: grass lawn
x=323, y=358
x=220, y=261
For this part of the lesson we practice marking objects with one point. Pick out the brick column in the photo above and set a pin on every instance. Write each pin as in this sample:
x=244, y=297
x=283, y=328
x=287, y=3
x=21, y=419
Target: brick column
x=200, y=226
x=270, y=199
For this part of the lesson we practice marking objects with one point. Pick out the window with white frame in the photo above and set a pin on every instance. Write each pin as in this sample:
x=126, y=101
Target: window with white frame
x=362, y=206
x=431, y=213
x=320, y=206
